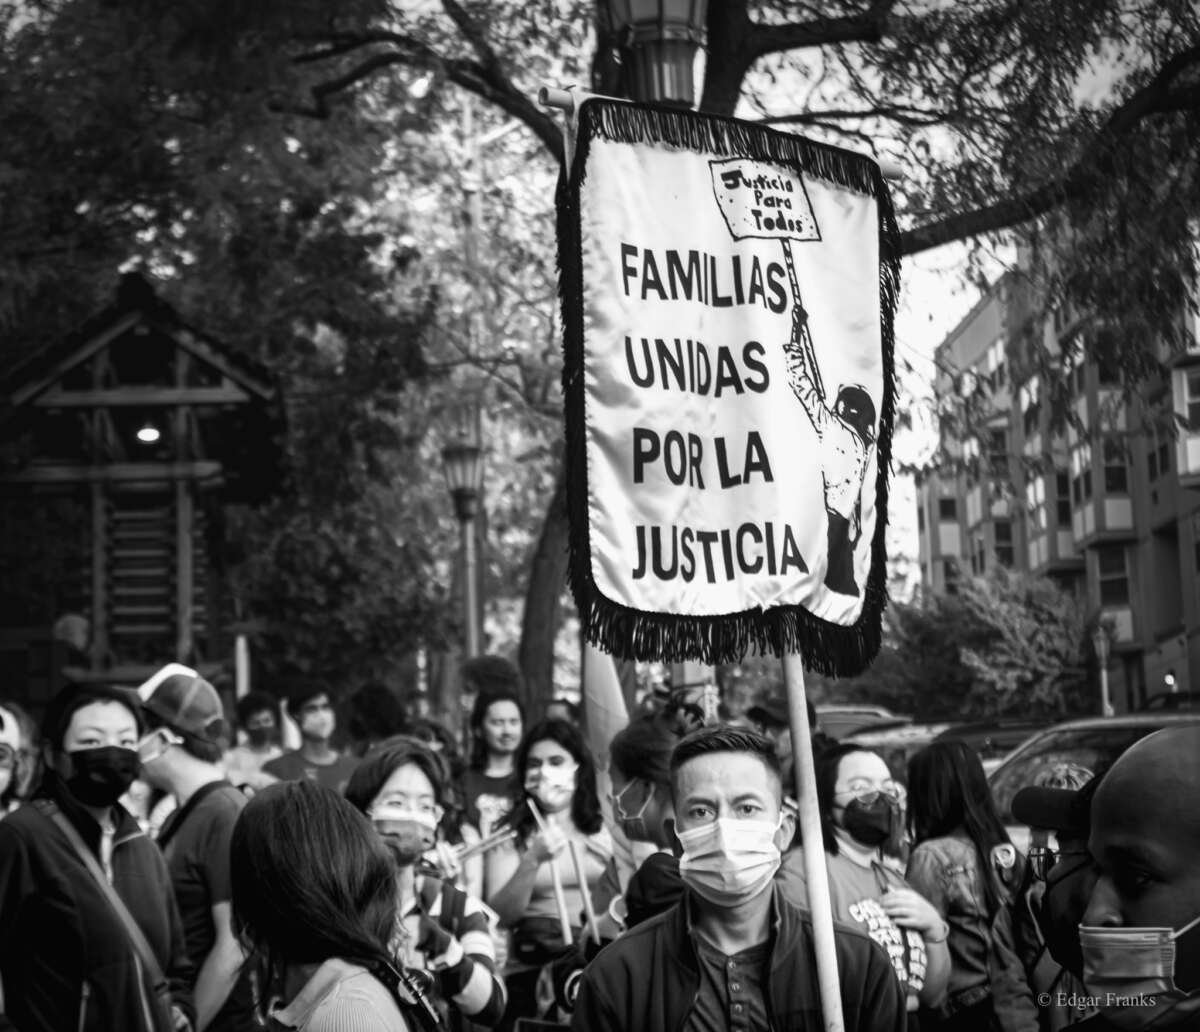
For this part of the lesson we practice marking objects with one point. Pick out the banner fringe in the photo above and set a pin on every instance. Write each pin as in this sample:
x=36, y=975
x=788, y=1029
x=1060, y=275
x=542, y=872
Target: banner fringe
x=826, y=647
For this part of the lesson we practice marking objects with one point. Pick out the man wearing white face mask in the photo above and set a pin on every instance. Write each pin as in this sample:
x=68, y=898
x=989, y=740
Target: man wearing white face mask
x=1140, y=934
x=733, y=954
x=316, y=759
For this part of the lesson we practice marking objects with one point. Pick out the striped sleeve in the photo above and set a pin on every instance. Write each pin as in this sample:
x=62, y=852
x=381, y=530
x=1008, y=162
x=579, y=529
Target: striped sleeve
x=472, y=984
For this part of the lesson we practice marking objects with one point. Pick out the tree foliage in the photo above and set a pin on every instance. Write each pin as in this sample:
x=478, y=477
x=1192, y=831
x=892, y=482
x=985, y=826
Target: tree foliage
x=265, y=160
x=1004, y=645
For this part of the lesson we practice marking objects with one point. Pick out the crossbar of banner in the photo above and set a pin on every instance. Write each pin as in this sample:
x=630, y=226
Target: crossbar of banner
x=569, y=101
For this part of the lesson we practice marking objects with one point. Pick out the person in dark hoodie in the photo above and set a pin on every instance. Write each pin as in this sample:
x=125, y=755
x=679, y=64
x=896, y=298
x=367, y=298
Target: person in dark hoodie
x=67, y=960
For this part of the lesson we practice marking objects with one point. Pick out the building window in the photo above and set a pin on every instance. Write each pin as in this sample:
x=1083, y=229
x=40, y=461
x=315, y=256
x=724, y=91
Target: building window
x=1004, y=543
x=1081, y=480
x=1116, y=473
x=1108, y=374
x=998, y=452
x=1192, y=386
x=1152, y=464
x=920, y=519
x=1164, y=458
x=947, y=509
x=1114, y=576
x=1062, y=483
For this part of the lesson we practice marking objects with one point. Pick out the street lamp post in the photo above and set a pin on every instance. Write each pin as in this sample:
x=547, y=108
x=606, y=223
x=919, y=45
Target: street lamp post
x=1101, y=643
x=462, y=460
x=659, y=40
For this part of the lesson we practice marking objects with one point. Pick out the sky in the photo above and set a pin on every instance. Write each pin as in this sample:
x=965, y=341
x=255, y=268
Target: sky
x=933, y=301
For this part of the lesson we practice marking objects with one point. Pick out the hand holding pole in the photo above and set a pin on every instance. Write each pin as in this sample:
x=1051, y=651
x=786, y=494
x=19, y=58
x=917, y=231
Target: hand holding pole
x=564, y=916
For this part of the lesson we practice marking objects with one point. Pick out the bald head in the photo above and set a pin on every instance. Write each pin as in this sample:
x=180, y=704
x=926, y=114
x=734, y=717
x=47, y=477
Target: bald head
x=1161, y=771
x=1146, y=834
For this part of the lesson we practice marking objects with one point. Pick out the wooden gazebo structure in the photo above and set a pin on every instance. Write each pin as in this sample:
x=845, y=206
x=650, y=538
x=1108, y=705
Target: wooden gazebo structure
x=121, y=450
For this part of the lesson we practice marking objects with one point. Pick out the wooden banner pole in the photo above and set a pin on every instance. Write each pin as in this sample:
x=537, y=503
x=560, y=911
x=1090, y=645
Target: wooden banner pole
x=815, y=874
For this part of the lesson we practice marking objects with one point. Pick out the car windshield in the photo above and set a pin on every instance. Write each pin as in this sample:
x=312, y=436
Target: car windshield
x=1095, y=748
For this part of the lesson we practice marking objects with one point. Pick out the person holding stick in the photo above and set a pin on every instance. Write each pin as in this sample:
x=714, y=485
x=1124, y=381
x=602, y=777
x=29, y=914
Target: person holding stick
x=541, y=890
x=733, y=953
x=440, y=929
x=860, y=811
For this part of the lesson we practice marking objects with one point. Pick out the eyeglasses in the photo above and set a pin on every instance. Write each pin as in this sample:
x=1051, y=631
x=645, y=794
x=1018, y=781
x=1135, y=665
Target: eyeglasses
x=868, y=791
x=8, y=757
x=1042, y=858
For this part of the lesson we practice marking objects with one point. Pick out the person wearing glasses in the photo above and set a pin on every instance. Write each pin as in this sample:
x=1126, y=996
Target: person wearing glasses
x=964, y=863
x=860, y=813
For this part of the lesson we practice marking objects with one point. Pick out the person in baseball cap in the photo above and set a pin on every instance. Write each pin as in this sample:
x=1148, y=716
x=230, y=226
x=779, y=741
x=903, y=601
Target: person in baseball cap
x=181, y=755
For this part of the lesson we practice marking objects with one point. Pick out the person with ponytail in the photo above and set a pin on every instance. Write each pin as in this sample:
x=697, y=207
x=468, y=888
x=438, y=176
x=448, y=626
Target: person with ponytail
x=314, y=903
x=965, y=864
x=860, y=813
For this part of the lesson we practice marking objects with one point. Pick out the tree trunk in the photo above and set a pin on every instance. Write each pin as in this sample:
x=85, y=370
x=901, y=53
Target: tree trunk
x=543, y=601
x=729, y=26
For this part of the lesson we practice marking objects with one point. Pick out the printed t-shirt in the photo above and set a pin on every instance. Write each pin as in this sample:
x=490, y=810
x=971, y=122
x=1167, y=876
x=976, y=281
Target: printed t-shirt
x=855, y=894
x=195, y=841
x=488, y=798
x=292, y=766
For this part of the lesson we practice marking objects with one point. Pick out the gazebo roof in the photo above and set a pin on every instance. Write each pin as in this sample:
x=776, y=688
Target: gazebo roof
x=76, y=406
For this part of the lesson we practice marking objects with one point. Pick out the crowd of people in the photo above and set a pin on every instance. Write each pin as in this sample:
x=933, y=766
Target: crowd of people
x=163, y=867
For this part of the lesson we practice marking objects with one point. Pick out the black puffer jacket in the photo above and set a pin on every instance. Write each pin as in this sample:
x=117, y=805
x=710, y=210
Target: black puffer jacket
x=65, y=959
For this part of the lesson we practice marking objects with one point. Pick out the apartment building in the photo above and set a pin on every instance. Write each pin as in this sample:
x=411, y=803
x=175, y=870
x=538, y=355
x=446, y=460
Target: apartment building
x=1108, y=506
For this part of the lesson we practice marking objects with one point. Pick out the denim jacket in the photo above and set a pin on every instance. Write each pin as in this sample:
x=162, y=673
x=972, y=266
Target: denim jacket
x=983, y=958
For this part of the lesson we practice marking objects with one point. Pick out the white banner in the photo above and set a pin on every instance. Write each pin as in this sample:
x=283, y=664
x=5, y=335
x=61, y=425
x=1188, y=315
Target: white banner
x=733, y=379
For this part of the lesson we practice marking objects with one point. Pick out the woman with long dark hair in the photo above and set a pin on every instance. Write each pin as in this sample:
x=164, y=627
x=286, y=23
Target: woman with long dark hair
x=558, y=817
x=314, y=898
x=860, y=812
x=966, y=866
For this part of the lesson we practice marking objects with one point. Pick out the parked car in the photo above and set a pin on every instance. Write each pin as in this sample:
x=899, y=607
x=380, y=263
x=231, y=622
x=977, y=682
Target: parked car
x=1093, y=743
x=1171, y=702
x=896, y=743
x=993, y=740
x=839, y=721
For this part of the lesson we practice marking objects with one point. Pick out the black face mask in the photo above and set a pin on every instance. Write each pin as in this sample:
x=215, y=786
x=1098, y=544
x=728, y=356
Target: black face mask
x=260, y=736
x=869, y=822
x=1061, y=910
x=101, y=776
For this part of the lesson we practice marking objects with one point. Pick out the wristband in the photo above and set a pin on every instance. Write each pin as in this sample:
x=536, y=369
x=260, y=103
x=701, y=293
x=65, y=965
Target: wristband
x=929, y=941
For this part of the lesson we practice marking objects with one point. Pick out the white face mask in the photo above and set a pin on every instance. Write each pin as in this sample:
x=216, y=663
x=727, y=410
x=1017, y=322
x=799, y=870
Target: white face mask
x=1133, y=971
x=552, y=786
x=729, y=861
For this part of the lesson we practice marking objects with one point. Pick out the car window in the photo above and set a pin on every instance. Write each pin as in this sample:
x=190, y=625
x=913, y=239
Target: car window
x=1094, y=748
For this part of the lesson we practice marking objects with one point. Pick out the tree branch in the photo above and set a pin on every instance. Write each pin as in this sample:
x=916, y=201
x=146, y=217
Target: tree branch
x=485, y=77
x=1094, y=160
x=868, y=27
